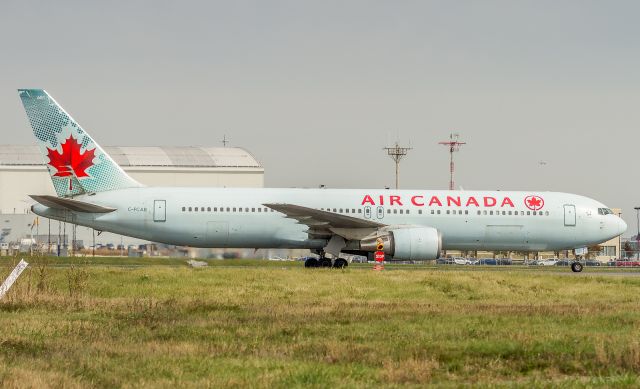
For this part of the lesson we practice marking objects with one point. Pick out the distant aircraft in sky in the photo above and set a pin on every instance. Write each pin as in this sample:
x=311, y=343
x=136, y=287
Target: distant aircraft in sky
x=93, y=191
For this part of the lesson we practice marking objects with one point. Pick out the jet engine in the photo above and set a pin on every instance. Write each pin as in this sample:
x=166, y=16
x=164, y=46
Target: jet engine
x=410, y=243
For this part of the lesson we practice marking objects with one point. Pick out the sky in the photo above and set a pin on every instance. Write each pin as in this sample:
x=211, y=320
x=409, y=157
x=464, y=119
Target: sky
x=316, y=89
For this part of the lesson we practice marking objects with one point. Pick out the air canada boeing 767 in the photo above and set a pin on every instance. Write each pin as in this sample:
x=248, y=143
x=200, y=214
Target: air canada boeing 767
x=93, y=191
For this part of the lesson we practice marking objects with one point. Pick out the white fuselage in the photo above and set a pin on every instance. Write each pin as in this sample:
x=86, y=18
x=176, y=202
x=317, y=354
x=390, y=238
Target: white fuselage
x=467, y=220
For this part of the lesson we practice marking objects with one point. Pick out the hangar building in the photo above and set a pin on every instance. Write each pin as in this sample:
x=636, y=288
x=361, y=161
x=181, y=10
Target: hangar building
x=22, y=172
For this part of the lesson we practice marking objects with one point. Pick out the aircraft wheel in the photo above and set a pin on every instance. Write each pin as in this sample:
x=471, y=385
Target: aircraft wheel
x=311, y=262
x=325, y=262
x=576, y=267
x=340, y=263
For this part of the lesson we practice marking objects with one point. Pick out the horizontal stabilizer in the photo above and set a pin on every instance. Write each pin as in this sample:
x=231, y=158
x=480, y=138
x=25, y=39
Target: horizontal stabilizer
x=70, y=205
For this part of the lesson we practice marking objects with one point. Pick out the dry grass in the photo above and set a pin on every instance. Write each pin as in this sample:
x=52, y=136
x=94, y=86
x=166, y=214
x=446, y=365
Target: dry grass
x=162, y=326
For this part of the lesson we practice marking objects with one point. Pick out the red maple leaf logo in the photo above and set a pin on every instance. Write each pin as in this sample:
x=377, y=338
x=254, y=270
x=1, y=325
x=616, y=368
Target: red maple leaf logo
x=534, y=202
x=71, y=161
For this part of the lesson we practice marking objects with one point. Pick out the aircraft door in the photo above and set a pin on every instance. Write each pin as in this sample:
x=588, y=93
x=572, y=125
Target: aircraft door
x=380, y=212
x=367, y=212
x=159, y=210
x=569, y=215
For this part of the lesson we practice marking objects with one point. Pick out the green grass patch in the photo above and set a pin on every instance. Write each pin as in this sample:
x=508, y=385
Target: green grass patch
x=95, y=322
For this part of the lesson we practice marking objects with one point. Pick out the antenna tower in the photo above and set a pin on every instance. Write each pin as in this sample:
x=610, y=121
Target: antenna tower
x=454, y=145
x=397, y=153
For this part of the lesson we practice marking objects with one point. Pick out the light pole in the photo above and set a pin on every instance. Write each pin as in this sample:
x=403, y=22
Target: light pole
x=638, y=233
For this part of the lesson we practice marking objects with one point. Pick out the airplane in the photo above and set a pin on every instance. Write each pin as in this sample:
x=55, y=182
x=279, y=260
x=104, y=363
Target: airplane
x=93, y=191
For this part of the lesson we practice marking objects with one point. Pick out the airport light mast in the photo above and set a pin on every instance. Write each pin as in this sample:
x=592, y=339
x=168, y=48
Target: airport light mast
x=454, y=145
x=397, y=153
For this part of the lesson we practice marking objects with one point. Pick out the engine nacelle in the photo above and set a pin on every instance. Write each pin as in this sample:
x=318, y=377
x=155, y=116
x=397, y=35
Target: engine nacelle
x=411, y=243
x=421, y=243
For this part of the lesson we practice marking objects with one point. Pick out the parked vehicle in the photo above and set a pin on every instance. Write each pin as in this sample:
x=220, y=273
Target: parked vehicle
x=462, y=261
x=627, y=263
x=486, y=261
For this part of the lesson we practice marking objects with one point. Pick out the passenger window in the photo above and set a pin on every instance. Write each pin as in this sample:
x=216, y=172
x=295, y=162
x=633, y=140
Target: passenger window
x=234, y=209
x=547, y=213
x=253, y=209
x=259, y=209
x=433, y=211
x=521, y=213
x=466, y=212
x=438, y=212
x=359, y=210
x=484, y=212
x=528, y=213
x=490, y=212
x=448, y=212
x=388, y=211
x=479, y=212
x=346, y=210
x=534, y=213
x=334, y=210
x=184, y=209
x=401, y=211
x=407, y=211
x=504, y=212
x=420, y=212
x=208, y=209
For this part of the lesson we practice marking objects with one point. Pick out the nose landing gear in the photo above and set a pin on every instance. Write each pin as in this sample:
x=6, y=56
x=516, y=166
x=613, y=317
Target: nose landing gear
x=576, y=267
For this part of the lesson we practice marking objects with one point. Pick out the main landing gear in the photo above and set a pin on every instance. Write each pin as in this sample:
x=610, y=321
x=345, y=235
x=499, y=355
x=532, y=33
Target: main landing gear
x=338, y=263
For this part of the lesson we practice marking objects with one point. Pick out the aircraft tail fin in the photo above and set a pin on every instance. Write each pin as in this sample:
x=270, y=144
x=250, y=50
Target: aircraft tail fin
x=76, y=163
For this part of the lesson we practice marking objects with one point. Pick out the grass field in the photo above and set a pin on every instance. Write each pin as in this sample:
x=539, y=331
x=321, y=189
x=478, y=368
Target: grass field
x=101, y=322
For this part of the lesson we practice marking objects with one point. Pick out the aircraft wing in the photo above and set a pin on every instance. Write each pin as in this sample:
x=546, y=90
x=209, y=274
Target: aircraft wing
x=325, y=224
x=70, y=204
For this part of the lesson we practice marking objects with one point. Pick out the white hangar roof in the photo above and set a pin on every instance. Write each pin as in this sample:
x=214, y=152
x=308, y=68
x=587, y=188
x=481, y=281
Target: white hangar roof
x=147, y=156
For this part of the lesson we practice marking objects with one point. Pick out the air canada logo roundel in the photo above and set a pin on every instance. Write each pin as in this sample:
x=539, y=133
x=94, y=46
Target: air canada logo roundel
x=534, y=202
x=71, y=162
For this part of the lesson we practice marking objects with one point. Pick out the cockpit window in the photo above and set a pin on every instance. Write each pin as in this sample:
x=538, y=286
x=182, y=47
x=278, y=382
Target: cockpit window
x=605, y=211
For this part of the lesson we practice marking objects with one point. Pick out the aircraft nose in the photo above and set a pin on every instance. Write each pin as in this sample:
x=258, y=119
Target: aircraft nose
x=622, y=226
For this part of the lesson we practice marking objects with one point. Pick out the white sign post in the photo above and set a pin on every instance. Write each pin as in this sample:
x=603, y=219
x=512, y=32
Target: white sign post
x=6, y=285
